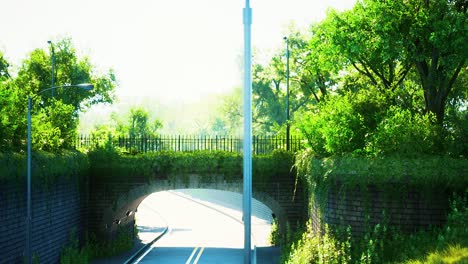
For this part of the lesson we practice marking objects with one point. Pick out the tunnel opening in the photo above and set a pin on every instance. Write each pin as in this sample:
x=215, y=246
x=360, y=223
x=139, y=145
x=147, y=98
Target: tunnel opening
x=193, y=218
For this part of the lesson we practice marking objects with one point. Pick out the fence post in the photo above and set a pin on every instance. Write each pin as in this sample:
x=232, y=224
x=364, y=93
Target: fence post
x=260, y=144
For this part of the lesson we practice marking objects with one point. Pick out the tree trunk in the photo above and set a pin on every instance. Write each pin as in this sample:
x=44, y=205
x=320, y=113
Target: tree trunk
x=436, y=85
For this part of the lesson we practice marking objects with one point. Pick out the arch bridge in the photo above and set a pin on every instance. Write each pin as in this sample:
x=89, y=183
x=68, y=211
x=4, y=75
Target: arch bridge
x=113, y=201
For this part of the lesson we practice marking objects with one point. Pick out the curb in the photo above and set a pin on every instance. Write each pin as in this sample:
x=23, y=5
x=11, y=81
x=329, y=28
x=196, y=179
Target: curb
x=137, y=254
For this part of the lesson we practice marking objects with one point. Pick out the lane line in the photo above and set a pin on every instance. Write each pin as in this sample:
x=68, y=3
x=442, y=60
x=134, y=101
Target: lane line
x=191, y=256
x=199, y=255
x=140, y=254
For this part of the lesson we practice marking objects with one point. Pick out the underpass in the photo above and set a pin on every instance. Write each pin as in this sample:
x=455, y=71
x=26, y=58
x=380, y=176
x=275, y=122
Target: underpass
x=204, y=226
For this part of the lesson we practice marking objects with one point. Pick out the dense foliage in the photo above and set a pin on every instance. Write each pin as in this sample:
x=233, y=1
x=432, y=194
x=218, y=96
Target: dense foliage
x=391, y=174
x=46, y=167
x=54, y=118
x=387, y=106
x=165, y=164
x=137, y=123
x=410, y=54
x=382, y=243
x=447, y=244
x=365, y=123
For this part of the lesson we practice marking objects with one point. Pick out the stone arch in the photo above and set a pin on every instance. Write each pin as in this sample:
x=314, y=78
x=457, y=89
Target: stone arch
x=121, y=212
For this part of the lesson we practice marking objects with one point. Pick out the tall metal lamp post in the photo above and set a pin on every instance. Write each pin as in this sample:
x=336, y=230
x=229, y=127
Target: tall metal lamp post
x=288, y=143
x=84, y=86
x=247, y=144
x=52, y=61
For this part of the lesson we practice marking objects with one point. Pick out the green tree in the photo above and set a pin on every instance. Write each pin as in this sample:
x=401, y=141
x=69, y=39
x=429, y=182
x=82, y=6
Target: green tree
x=228, y=118
x=438, y=45
x=384, y=40
x=138, y=122
x=11, y=116
x=35, y=75
x=269, y=95
x=367, y=37
x=4, y=65
x=314, y=65
x=55, y=118
x=155, y=125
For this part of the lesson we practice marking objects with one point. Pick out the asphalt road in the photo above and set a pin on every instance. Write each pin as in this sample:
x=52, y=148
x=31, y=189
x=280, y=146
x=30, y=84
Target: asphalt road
x=200, y=231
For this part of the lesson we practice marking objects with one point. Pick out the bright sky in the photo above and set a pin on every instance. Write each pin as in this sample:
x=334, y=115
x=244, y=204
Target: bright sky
x=173, y=50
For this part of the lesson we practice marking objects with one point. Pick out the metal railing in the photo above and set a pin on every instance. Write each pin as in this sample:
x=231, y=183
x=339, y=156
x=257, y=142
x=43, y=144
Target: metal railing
x=260, y=144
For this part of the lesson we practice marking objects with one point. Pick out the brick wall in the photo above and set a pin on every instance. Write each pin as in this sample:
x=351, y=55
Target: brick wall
x=409, y=210
x=111, y=201
x=55, y=213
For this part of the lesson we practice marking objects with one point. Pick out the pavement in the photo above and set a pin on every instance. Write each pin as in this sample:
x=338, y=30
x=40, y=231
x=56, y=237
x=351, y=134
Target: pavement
x=176, y=247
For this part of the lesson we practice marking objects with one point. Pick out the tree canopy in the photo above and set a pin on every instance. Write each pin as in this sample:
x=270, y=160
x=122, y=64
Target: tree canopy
x=55, y=119
x=384, y=40
x=358, y=73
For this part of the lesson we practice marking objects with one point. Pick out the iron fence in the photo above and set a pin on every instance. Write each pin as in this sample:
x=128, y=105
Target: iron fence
x=260, y=144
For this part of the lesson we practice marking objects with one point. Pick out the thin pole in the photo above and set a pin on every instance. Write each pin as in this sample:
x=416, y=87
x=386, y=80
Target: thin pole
x=28, y=199
x=288, y=147
x=52, y=56
x=247, y=148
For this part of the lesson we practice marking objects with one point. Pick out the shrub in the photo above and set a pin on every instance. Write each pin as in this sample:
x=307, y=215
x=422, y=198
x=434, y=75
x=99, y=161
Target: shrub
x=404, y=133
x=72, y=254
x=313, y=248
x=47, y=167
x=382, y=245
x=164, y=164
x=341, y=123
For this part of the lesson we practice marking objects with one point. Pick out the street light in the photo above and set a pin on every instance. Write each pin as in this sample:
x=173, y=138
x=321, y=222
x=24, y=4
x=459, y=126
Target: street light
x=288, y=147
x=247, y=144
x=84, y=86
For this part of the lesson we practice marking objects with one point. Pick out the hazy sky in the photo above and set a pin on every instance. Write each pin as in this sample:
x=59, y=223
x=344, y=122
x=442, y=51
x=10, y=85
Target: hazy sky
x=173, y=50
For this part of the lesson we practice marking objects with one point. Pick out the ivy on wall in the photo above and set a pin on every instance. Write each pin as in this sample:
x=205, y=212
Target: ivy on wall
x=164, y=164
x=441, y=172
x=395, y=179
x=46, y=168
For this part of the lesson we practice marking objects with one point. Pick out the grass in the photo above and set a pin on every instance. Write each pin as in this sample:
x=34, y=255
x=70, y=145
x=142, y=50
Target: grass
x=452, y=254
x=93, y=249
x=447, y=244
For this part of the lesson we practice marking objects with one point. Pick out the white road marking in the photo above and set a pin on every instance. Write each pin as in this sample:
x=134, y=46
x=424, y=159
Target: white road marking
x=191, y=256
x=199, y=255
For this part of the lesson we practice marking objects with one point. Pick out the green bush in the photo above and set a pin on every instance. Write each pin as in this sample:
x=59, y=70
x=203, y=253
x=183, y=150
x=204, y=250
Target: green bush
x=383, y=243
x=313, y=248
x=404, y=133
x=164, y=164
x=46, y=168
x=334, y=127
x=457, y=135
x=341, y=123
x=447, y=244
x=445, y=172
x=72, y=254
x=365, y=123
